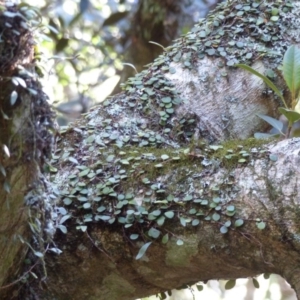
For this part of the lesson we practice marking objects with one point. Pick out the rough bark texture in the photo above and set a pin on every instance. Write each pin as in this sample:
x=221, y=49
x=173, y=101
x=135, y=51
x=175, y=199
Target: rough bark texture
x=172, y=157
x=94, y=265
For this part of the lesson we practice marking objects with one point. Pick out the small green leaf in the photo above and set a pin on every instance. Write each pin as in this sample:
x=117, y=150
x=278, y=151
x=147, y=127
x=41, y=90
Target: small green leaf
x=216, y=217
x=231, y=208
x=19, y=81
x=183, y=221
x=13, y=98
x=291, y=70
x=103, y=217
x=164, y=157
x=291, y=115
x=274, y=11
x=62, y=228
x=153, y=232
x=230, y=284
x=134, y=236
x=215, y=147
x=179, y=242
x=274, y=18
x=169, y=214
x=151, y=217
x=227, y=223
x=255, y=283
x=223, y=229
x=64, y=218
x=192, y=211
x=10, y=14
x=38, y=254
x=199, y=287
x=273, y=157
x=261, y=225
x=83, y=228
x=158, y=166
x=217, y=199
x=110, y=158
x=160, y=221
x=67, y=201
x=195, y=222
x=275, y=123
x=6, y=187
x=165, y=238
x=84, y=172
x=266, y=275
x=170, y=110
x=101, y=208
x=156, y=212
x=2, y=170
x=238, y=223
x=172, y=70
x=87, y=205
x=204, y=202
x=142, y=250
x=230, y=213
x=73, y=160
x=262, y=135
x=188, y=198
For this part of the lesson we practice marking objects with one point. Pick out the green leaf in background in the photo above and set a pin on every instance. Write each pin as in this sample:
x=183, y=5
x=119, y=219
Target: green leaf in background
x=275, y=123
x=291, y=71
x=143, y=250
x=255, y=283
x=230, y=284
x=199, y=287
x=114, y=18
x=266, y=80
x=291, y=115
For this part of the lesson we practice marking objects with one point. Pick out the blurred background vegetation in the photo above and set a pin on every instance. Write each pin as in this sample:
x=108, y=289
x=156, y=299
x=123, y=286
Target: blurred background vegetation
x=86, y=48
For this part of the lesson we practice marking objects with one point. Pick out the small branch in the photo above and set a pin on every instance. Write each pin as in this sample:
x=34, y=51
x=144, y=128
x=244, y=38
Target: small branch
x=101, y=250
x=19, y=279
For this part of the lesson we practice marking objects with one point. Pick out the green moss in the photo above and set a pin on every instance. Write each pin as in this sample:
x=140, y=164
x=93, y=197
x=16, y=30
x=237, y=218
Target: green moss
x=234, y=150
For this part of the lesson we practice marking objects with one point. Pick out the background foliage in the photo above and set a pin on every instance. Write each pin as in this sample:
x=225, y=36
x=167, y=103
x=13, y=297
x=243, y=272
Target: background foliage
x=85, y=43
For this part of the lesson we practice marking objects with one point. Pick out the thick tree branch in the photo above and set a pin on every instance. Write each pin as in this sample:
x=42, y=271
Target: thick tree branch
x=263, y=190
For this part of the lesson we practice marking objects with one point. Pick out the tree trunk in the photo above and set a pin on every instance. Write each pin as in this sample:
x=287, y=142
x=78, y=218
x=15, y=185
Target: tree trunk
x=171, y=162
